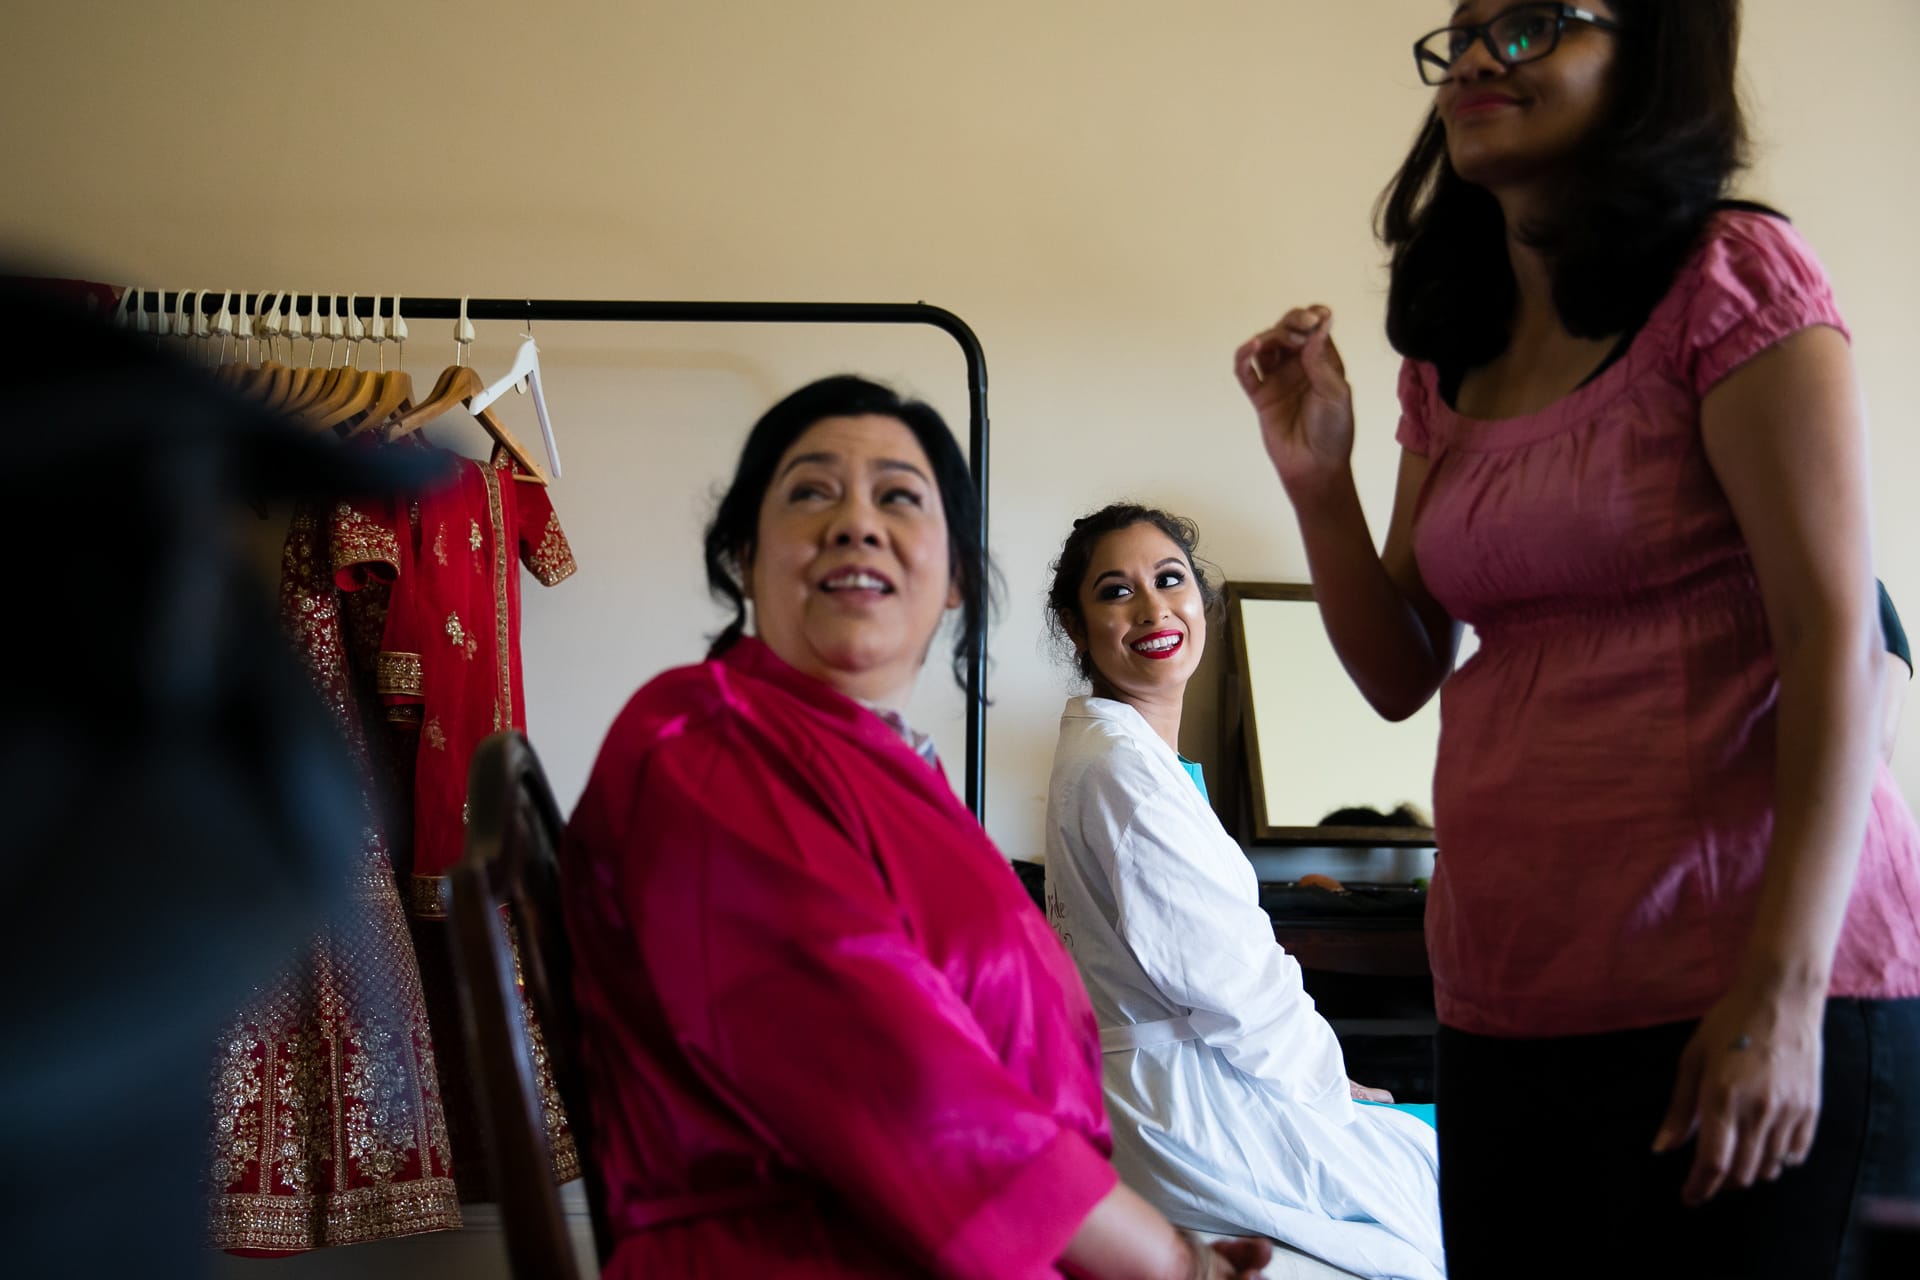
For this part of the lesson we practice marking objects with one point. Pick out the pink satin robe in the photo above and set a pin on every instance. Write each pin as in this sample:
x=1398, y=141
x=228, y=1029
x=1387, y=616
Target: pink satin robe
x=826, y=1032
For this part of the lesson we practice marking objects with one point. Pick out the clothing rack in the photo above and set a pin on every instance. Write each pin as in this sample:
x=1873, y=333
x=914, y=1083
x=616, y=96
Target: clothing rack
x=563, y=311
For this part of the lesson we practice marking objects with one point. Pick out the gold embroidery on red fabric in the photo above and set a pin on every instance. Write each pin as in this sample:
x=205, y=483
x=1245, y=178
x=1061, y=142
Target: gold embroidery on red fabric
x=436, y=737
x=327, y=1125
x=440, y=545
x=503, y=695
x=285, y=1223
x=398, y=672
x=560, y=1144
x=405, y=714
x=552, y=561
x=429, y=897
x=474, y=539
x=458, y=633
x=358, y=540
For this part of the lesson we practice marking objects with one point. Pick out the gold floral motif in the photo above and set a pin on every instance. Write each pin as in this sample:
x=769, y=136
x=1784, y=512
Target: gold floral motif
x=435, y=737
x=440, y=545
x=398, y=672
x=474, y=539
x=552, y=561
x=458, y=633
x=359, y=540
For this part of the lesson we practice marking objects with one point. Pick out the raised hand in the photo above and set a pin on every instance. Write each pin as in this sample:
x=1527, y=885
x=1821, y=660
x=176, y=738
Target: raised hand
x=1294, y=377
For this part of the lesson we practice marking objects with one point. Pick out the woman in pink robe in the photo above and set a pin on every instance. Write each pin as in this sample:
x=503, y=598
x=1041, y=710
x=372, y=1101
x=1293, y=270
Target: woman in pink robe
x=825, y=1031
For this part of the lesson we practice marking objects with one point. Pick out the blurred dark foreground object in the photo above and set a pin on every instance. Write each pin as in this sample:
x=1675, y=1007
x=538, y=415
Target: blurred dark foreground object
x=1889, y=1239
x=177, y=807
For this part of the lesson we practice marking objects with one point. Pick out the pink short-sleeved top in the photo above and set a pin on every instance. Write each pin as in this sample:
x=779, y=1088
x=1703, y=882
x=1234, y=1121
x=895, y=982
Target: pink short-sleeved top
x=1603, y=795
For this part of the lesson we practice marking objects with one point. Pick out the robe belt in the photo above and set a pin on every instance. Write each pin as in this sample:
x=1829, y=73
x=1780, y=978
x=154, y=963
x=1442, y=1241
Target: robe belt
x=644, y=1215
x=1139, y=1035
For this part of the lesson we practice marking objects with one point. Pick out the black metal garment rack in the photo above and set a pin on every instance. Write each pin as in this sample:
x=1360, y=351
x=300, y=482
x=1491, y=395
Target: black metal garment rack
x=546, y=310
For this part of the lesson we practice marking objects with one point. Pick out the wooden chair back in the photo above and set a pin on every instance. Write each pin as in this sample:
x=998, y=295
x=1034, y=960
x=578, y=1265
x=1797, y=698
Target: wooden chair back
x=506, y=887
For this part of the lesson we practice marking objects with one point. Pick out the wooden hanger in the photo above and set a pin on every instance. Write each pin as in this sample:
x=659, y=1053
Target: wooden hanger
x=459, y=383
x=309, y=378
x=394, y=393
x=276, y=379
x=455, y=384
x=530, y=471
x=343, y=384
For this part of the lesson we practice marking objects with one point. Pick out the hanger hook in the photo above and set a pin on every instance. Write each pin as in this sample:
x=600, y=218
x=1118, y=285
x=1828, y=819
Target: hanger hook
x=399, y=330
x=356, y=331
x=462, y=334
x=223, y=323
x=268, y=325
x=295, y=330
x=203, y=325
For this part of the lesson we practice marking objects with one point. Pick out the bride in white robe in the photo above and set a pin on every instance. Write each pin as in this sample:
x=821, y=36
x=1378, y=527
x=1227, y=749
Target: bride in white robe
x=1227, y=1091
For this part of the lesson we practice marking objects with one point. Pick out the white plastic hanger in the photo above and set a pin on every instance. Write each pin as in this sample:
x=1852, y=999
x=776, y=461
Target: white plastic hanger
x=526, y=364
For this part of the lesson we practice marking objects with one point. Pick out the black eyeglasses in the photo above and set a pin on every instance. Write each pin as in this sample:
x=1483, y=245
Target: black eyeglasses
x=1524, y=33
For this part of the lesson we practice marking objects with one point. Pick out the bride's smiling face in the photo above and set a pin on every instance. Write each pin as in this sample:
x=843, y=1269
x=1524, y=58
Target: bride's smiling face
x=1143, y=621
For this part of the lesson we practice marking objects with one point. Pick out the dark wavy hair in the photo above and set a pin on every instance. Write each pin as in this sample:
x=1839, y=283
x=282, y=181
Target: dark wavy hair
x=735, y=525
x=1626, y=213
x=1076, y=559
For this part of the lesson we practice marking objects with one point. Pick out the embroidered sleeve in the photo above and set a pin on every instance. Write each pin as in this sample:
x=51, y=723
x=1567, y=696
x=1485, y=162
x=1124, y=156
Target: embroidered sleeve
x=363, y=544
x=543, y=546
x=399, y=669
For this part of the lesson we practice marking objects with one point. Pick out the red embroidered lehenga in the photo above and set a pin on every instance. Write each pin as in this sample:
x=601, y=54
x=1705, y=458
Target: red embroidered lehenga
x=331, y=1125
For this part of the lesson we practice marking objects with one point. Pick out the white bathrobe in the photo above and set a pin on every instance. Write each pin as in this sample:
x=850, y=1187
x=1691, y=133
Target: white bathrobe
x=1231, y=1111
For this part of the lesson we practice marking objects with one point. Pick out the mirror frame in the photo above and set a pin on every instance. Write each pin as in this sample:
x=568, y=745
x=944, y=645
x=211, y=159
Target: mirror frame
x=1240, y=742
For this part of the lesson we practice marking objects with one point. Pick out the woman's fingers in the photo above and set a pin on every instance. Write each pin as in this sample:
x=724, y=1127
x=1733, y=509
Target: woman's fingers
x=1683, y=1111
x=1304, y=320
x=1713, y=1153
x=1755, y=1149
x=1800, y=1142
x=1301, y=333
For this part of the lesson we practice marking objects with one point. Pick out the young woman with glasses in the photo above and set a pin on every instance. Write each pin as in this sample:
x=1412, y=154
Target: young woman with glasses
x=1675, y=925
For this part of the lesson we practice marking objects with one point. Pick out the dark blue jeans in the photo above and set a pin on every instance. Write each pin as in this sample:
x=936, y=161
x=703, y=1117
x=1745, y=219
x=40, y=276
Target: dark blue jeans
x=1546, y=1167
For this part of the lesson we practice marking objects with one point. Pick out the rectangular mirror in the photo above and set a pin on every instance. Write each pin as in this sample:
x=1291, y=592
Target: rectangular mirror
x=1311, y=744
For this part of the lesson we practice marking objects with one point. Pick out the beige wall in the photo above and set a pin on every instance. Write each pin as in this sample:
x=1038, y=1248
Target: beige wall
x=1112, y=193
